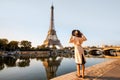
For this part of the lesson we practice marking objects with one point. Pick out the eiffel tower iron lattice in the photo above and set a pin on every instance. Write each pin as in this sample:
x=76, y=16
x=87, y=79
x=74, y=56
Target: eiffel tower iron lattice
x=52, y=39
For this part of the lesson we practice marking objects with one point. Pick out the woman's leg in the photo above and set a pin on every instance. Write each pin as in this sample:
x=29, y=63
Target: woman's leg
x=83, y=70
x=78, y=69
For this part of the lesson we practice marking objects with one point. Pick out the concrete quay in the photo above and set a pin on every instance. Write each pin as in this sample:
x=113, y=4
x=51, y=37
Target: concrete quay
x=109, y=70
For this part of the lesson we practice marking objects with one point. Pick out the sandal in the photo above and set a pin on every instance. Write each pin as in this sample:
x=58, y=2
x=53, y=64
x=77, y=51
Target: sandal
x=83, y=76
x=79, y=76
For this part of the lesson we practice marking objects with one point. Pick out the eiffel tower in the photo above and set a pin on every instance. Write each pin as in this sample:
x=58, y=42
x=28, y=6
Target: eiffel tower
x=52, y=39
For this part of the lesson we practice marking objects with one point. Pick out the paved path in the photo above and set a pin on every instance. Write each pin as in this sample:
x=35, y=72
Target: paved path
x=109, y=70
x=113, y=74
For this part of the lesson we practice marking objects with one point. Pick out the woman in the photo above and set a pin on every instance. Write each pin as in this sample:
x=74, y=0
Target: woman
x=77, y=39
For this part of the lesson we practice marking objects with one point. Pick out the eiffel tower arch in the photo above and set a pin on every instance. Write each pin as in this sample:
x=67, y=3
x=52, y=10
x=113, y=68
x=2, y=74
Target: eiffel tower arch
x=52, y=39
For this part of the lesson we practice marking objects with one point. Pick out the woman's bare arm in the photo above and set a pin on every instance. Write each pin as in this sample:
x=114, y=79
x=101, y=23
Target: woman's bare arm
x=71, y=39
x=84, y=38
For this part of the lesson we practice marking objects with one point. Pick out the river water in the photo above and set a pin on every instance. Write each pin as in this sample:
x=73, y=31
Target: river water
x=40, y=68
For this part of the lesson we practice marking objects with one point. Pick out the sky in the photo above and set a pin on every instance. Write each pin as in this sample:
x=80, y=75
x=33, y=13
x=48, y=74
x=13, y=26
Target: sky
x=98, y=20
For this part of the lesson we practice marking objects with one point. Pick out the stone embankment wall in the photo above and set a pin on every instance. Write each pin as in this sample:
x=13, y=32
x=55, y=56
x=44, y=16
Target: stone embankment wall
x=92, y=73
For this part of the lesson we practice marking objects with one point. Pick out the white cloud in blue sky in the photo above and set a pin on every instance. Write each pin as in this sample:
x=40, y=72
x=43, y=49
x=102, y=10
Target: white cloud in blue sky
x=29, y=20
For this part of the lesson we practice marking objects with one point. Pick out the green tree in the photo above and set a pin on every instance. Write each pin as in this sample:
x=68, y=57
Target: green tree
x=3, y=44
x=13, y=45
x=42, y=48
x=25, y=45
x=93, y=47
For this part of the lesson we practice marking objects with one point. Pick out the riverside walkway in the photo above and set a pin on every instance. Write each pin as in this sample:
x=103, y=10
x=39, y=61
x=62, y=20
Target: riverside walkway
x=109, y=70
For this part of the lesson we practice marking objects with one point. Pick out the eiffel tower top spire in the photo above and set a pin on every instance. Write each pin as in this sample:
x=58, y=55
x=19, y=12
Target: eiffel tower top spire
x=52, y=39
x=52, y=17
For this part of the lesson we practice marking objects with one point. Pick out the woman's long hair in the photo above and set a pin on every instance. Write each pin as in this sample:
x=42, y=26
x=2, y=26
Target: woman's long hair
x=76, y=33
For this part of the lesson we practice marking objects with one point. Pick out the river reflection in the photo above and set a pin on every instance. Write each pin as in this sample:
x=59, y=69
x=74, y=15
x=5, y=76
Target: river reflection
x=51, y=65
x=39, y=68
